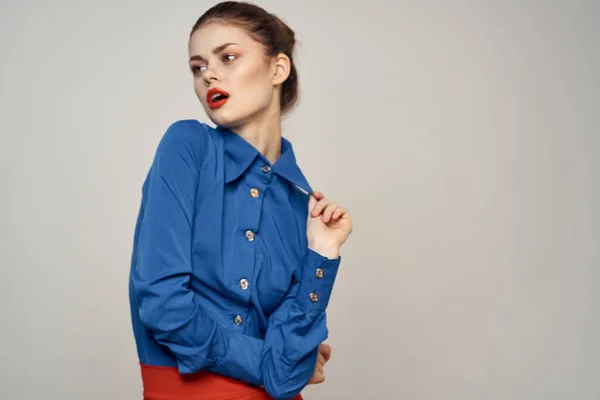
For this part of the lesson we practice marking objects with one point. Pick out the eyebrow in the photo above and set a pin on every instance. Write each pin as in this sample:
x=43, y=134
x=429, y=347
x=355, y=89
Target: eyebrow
x=215, y=51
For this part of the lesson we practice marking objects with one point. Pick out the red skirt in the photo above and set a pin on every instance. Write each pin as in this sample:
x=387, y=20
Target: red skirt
x=166, y=383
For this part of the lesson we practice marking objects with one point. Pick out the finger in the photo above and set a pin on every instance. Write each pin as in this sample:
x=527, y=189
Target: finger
x=331, y=207
x=311, y=203
x=336, y=214
x=317, y=378
x=320, y=359
x=325, y=350
x=319, y=207
x=340, y=212
x=318, y=195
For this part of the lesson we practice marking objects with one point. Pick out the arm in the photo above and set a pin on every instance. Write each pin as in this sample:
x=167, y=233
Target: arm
x=287, y=356
x=298, y=327
x=285, y=360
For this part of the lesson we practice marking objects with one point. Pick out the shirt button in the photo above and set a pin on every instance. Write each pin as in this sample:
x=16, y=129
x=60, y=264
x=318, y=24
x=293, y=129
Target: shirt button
x=249, y=235
x=313, y=297
x=266, y=169
x=319, y=273
x=238, y=320
x=254, y=193
x=244, y=284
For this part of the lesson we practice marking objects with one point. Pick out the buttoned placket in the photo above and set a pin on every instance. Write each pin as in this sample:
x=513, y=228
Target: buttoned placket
x=253, y=186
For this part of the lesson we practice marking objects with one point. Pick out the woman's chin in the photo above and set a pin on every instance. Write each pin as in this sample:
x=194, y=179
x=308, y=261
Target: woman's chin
x=224, y=119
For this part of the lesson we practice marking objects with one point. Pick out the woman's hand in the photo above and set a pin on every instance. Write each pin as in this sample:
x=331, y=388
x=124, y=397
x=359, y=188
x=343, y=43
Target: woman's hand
x=324, y=356
x=328, y=225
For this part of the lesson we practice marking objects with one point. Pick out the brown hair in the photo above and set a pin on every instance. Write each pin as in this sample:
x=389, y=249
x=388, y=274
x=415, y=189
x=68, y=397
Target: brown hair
x=267, y=29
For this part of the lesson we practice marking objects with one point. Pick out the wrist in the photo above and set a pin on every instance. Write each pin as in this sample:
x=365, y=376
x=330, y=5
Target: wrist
x=328, y=250
x=317, y=275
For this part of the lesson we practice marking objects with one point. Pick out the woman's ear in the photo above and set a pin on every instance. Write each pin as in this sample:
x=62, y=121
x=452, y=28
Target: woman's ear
x=283, y=66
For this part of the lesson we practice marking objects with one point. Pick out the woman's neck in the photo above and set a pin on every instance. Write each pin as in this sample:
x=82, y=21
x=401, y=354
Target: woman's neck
x=264, y=133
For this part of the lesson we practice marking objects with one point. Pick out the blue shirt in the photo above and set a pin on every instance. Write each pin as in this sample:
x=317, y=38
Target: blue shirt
x=222, y=278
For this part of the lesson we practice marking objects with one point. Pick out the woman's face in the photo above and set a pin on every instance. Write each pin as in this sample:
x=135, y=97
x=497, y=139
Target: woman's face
x=232, y=78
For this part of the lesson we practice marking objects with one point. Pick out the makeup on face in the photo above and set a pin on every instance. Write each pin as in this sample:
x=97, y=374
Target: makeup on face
x=216, y=98
x=226, y=62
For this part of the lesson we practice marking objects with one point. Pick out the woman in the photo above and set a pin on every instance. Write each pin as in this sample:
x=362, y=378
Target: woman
x=234, y=256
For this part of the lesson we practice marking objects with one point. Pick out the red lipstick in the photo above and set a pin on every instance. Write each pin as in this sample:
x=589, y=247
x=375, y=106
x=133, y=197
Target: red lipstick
x=216, y=97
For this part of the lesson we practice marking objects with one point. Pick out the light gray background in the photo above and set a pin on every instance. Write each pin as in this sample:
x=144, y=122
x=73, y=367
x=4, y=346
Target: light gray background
x=463, y=137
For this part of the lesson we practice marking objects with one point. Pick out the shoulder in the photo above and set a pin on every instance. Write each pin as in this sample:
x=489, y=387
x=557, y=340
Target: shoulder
x=185, y=132
x=187, y=137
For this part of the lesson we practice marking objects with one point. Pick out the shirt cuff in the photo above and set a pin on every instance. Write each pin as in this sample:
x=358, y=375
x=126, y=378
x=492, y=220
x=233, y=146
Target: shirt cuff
x=317, y=276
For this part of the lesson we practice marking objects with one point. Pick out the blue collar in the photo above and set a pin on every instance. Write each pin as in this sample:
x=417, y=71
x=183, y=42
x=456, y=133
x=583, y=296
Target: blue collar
x=241, y=154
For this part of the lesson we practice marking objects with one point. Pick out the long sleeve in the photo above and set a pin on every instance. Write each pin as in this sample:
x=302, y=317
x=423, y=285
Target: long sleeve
x=284, y=361
x=166, y=304
x=287, y=356
x=298, y=327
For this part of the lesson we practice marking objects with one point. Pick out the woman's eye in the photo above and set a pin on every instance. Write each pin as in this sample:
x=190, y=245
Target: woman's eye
x=229, y=57
x=198, y=69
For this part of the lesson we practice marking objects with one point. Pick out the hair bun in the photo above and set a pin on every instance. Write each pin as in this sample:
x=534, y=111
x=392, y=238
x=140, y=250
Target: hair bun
x=290, y=36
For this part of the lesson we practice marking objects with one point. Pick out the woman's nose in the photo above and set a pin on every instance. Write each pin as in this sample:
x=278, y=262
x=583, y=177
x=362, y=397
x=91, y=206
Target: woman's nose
x=210, y=75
